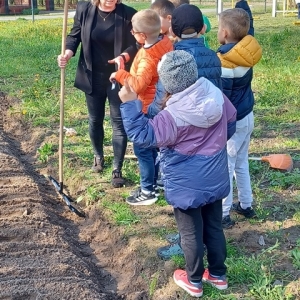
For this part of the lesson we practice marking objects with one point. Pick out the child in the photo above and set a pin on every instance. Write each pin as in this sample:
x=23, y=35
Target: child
x=191, y=132
x=164, y=8
x=238, y=54
x=143, y=78
x=244, y=5
x=187, y=23
x=205, y=19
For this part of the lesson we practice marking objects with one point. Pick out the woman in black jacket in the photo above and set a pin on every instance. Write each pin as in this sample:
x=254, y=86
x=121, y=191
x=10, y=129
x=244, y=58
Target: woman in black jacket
x=102, y=27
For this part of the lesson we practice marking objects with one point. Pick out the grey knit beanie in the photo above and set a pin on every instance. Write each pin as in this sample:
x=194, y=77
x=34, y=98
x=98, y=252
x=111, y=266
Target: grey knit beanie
x=177, y=70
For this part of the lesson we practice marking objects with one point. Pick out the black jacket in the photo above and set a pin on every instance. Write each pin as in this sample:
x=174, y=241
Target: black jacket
x=81, y=33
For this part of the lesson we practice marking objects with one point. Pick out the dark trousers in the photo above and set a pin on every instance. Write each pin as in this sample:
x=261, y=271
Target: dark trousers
x=202, y=225
x=147, y=165
x=96, y=109
x=298, y=6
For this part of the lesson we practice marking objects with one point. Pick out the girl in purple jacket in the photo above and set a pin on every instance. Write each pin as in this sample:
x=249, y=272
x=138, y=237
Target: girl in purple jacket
x=191, y=132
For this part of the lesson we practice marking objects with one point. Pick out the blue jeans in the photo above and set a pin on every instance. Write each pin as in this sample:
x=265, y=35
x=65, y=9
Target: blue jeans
x=148, y=169
x=198, y=226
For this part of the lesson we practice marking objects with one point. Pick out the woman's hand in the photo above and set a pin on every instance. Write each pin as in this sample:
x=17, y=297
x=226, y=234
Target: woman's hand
x=120, y=60
x=127, y=93
x=62, y=60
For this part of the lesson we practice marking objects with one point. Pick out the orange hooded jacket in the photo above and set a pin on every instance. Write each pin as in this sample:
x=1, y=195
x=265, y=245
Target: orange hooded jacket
x=143, y=74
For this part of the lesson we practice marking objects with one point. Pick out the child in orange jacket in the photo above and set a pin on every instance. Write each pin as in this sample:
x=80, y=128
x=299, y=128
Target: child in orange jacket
x=142, y=78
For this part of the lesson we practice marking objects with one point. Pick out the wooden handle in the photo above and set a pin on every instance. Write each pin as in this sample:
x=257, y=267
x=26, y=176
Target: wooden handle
x=129, y=156
x=254, y=158
x=62, y=94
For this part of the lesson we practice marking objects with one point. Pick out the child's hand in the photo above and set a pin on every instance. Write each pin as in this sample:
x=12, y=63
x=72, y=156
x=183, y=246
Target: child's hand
x=127, y=93
x=112, y=77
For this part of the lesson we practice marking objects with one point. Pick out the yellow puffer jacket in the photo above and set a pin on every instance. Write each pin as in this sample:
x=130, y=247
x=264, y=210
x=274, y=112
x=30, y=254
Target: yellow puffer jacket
x=143, y=74
x=245, y=53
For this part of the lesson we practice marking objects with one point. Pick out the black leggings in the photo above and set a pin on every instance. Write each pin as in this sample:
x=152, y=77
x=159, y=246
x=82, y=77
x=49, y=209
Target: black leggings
x=96, y=109
x=198, y=226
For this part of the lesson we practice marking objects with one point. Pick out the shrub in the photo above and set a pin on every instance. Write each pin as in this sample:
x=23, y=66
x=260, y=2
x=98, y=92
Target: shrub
x=28, y=11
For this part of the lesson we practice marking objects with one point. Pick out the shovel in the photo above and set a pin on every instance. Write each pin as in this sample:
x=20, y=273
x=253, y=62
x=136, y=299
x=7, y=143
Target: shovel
x=68, y=200
x=282, y=162
x=59, y=185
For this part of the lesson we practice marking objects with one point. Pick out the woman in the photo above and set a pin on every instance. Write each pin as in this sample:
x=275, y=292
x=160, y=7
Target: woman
x=102, y=27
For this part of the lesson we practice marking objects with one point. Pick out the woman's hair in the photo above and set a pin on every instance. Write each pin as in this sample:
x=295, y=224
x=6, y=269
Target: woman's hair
x=147, y=21
x=97, y=2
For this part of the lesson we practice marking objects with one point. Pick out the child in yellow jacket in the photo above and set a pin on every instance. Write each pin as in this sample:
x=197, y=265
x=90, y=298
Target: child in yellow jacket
x=142, y=78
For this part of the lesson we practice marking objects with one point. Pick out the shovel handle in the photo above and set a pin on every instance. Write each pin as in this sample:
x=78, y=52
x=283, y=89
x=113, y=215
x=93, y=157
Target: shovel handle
x=62, y=92
x=255, y=158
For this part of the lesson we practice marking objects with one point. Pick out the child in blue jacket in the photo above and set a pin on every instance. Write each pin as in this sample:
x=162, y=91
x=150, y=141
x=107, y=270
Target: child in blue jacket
x=205, y=19
x=191, y=132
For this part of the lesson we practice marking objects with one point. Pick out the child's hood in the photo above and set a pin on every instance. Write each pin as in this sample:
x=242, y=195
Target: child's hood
x=245, y=53
x=200, y=105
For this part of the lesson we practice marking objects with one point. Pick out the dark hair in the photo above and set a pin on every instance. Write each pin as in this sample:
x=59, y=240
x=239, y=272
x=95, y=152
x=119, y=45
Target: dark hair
x=163, y=7
x=179, y=2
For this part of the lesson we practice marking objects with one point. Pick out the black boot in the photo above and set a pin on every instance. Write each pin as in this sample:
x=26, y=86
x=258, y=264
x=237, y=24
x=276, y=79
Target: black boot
x=98, y=165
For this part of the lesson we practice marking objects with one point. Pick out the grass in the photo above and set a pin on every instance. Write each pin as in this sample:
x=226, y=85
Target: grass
x=29, y=72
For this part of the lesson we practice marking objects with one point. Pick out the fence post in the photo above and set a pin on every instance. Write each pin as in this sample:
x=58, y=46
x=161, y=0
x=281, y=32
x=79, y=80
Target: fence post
x=274, y=7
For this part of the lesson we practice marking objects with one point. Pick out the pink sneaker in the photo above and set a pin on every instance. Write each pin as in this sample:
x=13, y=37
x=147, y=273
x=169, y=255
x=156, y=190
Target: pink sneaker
x=181, y=279
x=219, y=282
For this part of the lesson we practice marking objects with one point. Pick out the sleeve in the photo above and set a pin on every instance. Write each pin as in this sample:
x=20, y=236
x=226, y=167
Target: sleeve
x=130, y=46
x=144, y=132
x=143, y=77
x=156, y=106
x=231, y=117
x=74, y=37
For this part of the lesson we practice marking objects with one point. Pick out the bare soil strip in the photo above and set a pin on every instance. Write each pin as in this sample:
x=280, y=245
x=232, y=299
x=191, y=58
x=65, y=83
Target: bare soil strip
x=41, y=255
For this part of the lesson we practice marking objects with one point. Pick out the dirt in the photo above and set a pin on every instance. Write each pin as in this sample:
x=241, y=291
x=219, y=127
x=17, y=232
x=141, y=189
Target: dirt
x=42, y=255
x=47, y=252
